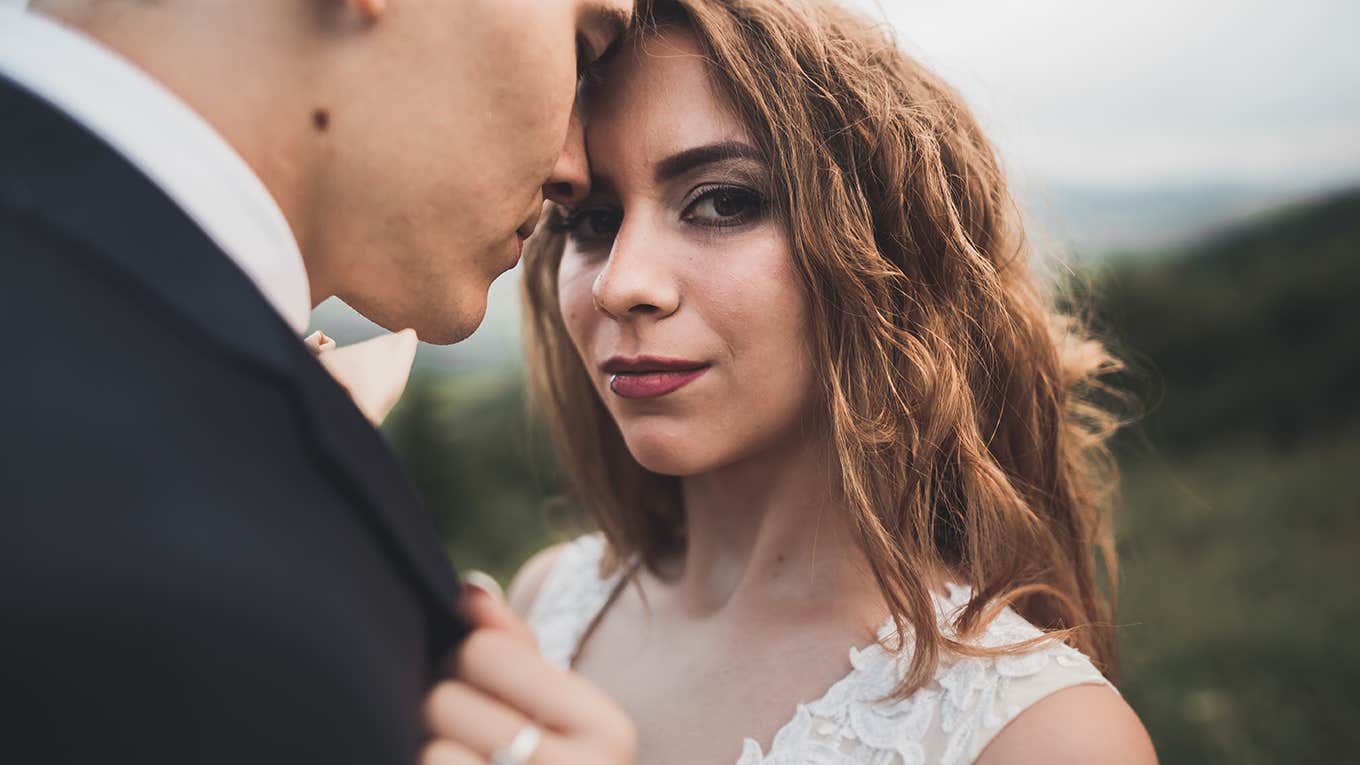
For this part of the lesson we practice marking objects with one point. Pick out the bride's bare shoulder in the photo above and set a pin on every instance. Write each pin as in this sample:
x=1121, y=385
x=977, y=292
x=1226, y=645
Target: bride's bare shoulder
x=529, y=580
x=1088, y=724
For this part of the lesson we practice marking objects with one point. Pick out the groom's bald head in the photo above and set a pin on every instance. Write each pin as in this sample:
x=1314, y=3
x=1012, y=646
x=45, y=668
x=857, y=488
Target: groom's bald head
x=406, y=140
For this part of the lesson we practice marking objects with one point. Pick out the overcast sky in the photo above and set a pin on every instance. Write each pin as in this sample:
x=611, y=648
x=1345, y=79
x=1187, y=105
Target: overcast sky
x=1135, y=92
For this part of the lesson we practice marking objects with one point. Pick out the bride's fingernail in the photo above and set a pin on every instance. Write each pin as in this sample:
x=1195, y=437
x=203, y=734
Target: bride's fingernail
x=484, y=582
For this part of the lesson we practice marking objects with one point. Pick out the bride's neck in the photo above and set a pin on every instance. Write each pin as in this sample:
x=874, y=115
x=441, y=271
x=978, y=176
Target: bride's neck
x=771, y=530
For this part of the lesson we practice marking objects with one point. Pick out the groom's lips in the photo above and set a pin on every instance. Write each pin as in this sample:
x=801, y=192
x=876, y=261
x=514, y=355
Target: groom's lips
x=522, y=234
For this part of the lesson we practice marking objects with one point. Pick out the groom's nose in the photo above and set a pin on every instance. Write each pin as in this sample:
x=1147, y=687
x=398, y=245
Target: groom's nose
x=569, y=182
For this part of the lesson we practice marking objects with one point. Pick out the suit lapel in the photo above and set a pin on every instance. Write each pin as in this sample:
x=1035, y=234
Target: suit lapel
x=55, y=171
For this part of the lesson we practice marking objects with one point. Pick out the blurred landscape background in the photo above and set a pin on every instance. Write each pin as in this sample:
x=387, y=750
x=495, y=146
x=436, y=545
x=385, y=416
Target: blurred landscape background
x=1192, y=170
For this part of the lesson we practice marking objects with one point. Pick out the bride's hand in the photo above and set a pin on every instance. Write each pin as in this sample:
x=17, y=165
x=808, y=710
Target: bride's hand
x=503, y=686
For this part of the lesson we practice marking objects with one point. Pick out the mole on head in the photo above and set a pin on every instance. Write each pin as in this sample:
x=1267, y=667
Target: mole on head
x=321, y=119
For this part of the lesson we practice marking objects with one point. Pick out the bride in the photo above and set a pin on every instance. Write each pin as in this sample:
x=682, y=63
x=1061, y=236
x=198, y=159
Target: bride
x=847, y=471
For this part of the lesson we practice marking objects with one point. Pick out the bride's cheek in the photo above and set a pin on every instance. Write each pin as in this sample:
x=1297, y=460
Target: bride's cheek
x=578, y=317
x=574, y=296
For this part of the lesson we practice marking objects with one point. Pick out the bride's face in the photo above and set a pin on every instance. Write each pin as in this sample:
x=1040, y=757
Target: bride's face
x=677, y=285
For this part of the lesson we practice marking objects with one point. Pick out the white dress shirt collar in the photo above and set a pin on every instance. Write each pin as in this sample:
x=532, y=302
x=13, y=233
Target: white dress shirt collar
x=170, y=143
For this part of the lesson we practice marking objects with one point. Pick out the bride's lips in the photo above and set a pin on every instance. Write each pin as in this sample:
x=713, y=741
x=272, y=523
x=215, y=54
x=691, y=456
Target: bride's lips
x=650, y=376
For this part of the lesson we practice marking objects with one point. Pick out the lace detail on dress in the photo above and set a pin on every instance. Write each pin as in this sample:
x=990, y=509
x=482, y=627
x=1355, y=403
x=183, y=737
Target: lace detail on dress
x=571, y=595
x=948, y=721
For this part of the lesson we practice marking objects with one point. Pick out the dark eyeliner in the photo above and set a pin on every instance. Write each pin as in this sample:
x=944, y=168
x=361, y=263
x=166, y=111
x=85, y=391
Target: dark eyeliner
x=760, y=205
x=570, y=218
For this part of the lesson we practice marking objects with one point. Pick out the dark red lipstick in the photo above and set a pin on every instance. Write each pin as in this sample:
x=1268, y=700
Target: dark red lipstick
x=650, y=376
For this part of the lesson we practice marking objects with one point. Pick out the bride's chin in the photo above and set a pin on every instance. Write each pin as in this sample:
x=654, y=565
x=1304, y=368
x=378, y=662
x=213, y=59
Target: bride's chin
x=666, y=457
x=665, y=464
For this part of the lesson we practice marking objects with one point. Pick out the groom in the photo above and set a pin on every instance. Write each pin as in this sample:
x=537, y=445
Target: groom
x=207, y=554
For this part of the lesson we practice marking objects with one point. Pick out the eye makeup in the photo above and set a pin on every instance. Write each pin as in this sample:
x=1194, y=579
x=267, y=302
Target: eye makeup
x=721, y=190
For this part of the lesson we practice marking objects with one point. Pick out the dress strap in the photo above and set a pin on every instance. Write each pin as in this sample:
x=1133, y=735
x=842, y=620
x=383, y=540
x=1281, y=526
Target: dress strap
x=572, y=597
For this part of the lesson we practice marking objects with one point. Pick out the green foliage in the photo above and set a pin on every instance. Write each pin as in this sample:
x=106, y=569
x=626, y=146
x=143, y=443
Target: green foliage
x=1239, y=606
x=1241, y=530
x=482, y=470
x=1255, y=333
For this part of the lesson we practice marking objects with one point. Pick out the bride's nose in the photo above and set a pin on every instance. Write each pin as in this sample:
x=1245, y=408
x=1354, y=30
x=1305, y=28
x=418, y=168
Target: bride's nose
x=636, y=281
x=569, y=182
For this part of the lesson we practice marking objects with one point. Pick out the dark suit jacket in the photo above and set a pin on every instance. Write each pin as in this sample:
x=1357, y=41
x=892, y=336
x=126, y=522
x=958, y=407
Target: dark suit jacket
x=207, y=555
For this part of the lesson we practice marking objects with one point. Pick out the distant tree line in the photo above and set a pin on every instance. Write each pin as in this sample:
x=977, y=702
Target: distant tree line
x=1252, y=334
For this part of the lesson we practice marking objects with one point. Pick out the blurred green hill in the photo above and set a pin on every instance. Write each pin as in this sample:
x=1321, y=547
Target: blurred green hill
x=1240, y=533
x=1253, y=333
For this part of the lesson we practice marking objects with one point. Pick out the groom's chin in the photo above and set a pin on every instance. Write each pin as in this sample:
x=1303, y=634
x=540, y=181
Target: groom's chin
x=436, y=322
x=450, y=336
x=448, y=326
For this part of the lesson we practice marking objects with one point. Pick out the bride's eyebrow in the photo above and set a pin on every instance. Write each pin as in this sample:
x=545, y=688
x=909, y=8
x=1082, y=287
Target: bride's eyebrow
x=682, y=162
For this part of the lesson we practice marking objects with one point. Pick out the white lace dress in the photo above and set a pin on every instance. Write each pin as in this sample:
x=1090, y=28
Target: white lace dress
x=948, y=721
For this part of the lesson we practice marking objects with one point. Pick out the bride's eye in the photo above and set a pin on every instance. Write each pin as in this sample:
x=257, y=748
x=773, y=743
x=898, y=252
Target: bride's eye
x=591, y=224
x=725, y=206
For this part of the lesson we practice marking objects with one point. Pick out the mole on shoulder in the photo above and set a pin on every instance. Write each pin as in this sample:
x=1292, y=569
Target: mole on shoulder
x=321, y=119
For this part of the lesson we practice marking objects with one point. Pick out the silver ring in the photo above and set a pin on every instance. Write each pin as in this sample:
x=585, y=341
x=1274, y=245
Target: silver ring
x=520, y=748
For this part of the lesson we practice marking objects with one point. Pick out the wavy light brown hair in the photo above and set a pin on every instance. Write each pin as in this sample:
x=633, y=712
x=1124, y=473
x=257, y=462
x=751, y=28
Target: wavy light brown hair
x=968, y=415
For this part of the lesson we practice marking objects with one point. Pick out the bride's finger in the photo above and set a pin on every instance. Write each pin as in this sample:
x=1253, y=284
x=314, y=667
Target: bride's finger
x=504, y=667
x=460, y=714
x=445, y=752
x=483, y=609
